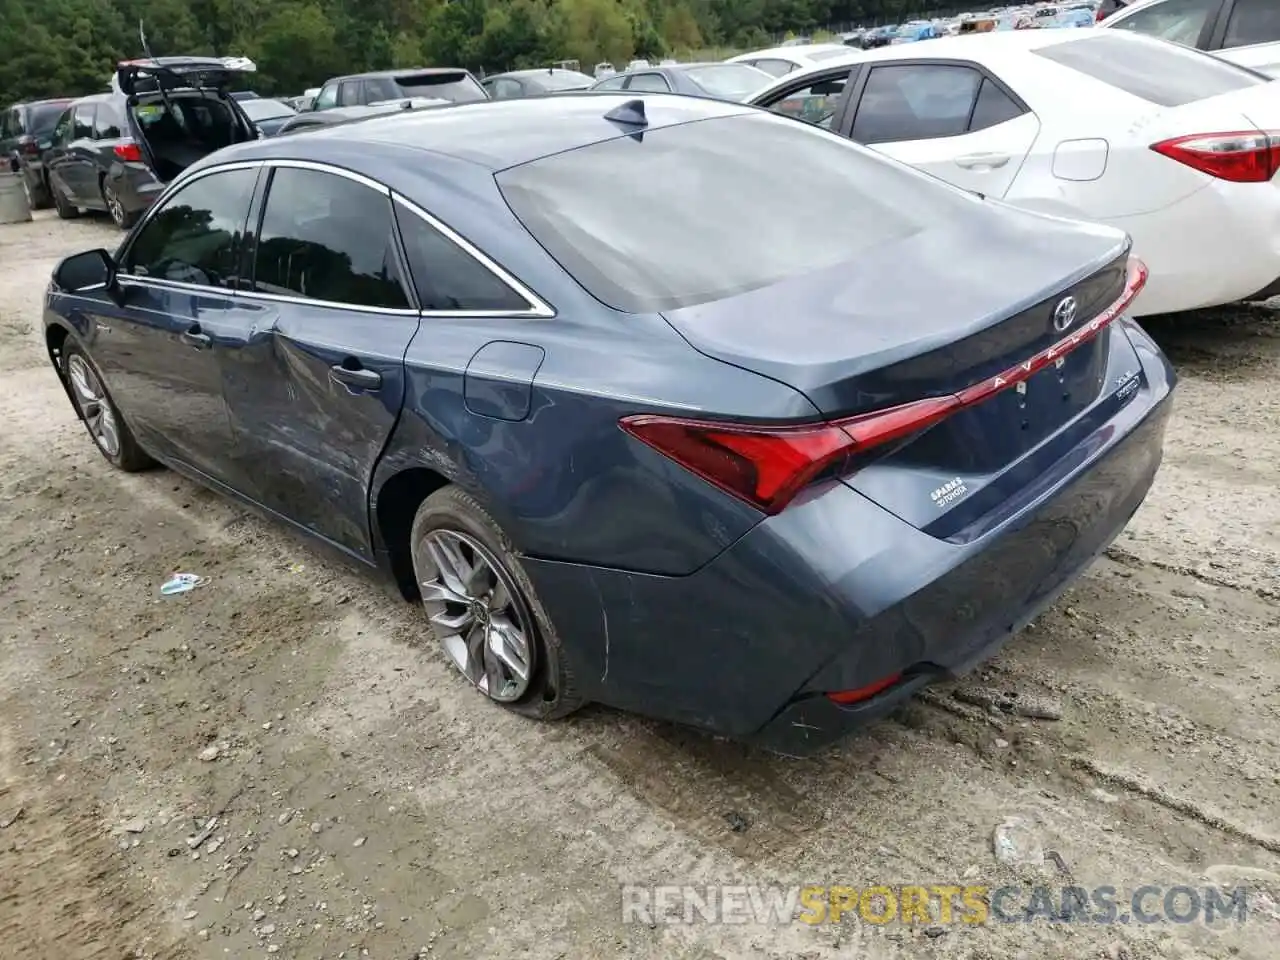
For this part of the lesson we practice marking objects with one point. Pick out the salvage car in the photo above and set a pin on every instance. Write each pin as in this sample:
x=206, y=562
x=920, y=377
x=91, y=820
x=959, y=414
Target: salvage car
x=1173, y=146
x=1246, y=32
x=621, y=444
x=25, y=138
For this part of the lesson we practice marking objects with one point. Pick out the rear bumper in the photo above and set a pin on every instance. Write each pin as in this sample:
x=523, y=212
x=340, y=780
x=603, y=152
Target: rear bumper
x=134, y=185
x=835, y=593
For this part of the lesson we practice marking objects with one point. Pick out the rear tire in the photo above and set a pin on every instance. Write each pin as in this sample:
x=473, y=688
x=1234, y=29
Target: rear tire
x=488, y=619
x=122, y=218
x=66, y=209
x=110, y=434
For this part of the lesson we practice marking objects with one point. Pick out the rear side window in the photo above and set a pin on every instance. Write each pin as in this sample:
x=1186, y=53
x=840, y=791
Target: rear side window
x=1253, y=21
x=106, y=122
x=994, y=106
x=1178, y=21
x=680, y=234
x=1165, y=74
x=455, y=86
x=325, y=237
x=447, y=277
x=195, y=237
x=916, y=102
x=651, y=82
x=82, y=122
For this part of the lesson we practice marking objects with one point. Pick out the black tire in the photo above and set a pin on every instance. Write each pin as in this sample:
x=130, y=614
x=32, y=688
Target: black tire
x=121, y=217
x=552, y=692
x=130, y=457
x=66, y=209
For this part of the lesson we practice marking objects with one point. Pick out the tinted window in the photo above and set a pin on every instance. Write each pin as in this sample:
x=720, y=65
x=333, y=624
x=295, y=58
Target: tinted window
x=82, y=121
x=1161, y=73
x=446, y=276
x=994, y=106
x=1180, y=21
x=680, y=233
x=816, y=103
x=42, y=118
x=106, y=122
x=348, y=93
x=452, y=85
x=915, y=102
x=62, y=129
x=775, y=68
x=1253, y=21
x=195, y=237
x=653, y=82
x=326, y=237
x=729, y=81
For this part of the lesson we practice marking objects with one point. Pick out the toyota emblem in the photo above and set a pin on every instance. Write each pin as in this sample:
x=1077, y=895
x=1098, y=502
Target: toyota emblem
x=1064, y=314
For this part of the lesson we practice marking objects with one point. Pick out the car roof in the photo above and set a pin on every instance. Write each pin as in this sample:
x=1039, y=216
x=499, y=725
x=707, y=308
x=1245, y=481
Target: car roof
x=400, y=72
x=496, y=134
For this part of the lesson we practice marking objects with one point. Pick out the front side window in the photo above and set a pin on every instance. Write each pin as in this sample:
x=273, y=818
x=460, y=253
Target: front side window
x=82, y=122
x=816, y=103
x=43, y=117
x=447, y=277
x=349, y=93
x=915, y=102
x=327, y=237
x=327, y=97
x=1179, y=21
x=196, y=236
x=680, y=233
x=1253, y=21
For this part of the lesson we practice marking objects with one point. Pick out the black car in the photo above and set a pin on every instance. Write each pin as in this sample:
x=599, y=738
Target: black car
x=116, y=151
x=25, y=131
x=532, y=83
x=364, y=89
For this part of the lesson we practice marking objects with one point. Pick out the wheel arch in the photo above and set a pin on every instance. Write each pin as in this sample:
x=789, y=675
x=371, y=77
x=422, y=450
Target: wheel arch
x=394, y=506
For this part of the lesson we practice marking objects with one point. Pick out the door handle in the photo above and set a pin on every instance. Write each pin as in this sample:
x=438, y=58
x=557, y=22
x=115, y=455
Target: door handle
x=354, y=376
x=192, y=337
x=973, y=161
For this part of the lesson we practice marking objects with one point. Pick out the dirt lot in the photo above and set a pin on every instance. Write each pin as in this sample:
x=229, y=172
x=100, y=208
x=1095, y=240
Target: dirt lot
x=370, y=804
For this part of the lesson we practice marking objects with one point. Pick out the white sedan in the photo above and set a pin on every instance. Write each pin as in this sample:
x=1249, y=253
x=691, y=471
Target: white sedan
x=1246, y=32
x=1176, y=147
x=780, y=61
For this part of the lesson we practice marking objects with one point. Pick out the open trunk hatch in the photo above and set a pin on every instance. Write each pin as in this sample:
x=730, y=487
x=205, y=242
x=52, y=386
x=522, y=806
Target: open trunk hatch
x=180, y=110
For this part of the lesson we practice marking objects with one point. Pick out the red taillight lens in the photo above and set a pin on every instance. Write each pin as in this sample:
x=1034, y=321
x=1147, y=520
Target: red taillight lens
x=847, y=697
x=128, y=152
x=766, y=466
x=1100, y=16
x=1248, y=157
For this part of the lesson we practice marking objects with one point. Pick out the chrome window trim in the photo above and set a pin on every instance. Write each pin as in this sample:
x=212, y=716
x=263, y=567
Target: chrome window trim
x=539, y=309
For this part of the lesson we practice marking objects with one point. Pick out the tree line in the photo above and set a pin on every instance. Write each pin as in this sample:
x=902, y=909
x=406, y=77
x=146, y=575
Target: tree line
x=69, y=47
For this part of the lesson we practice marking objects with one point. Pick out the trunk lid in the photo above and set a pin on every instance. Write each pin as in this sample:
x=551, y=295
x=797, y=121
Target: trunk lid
x=180, y=111
x=916, y=319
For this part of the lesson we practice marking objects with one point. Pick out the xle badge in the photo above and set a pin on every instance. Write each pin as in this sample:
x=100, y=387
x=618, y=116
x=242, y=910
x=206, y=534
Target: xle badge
x=949, y=492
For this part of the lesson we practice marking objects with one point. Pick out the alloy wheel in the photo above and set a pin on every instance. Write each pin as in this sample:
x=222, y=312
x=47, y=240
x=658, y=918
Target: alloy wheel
x=95, y=408
x=477, y=614
x=114, y=206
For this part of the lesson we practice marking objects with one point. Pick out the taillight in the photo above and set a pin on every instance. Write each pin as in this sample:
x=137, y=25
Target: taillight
x=128, y=152
x=766, y=466
x=1099, y=16
x=1248, y=157
x=29, y=146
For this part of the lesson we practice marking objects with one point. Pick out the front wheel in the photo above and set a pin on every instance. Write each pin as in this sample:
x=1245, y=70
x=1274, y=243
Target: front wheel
x=110, y=433
x=483, y=610
x=66, y=209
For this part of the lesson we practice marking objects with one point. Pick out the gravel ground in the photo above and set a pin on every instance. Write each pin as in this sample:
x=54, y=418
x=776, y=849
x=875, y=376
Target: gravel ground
x=367, y=803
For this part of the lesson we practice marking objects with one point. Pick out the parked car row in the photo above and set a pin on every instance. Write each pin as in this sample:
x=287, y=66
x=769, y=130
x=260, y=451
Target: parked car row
x=388, y=333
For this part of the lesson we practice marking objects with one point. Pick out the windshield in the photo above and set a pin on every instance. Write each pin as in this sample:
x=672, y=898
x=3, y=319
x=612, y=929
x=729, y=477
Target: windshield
x=1165, y=74
x=680, y=234
x=564, y=80
x=729, y=81
x=263, y=109
x=456, y=86
x=44, y=117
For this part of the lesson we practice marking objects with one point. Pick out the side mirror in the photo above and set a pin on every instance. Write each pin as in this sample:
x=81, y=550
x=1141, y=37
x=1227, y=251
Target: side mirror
x=82, y=272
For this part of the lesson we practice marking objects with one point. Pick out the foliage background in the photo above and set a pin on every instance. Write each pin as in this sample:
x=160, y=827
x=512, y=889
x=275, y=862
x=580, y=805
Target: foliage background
x=69, y=47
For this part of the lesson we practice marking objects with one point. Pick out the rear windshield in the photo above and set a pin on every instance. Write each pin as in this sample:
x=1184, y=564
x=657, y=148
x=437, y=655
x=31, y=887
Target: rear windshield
x=262, y=109
x=731, y=81
x=701, y=211
x=565, y=80
x=457, y=87
x=44, y=117
x=1165, y=74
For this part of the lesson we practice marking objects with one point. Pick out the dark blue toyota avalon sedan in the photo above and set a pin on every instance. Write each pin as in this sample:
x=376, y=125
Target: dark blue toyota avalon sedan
x=636, y=411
